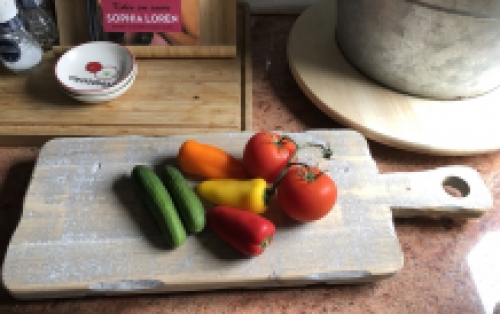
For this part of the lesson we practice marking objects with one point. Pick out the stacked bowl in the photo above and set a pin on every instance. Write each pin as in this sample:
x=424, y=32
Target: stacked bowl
x=96, y=72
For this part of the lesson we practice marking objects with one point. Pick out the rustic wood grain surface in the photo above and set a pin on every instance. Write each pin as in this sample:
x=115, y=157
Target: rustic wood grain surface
x=84, y=232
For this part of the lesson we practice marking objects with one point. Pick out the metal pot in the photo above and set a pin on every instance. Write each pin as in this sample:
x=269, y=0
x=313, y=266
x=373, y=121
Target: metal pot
x=441, y=49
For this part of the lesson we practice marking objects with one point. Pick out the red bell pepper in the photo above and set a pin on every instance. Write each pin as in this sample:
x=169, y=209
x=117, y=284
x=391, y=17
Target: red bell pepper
x=246, y=231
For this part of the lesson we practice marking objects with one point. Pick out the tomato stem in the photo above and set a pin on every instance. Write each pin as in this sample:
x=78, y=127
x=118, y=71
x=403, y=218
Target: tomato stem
x=308, y=175
x=282, y=139
x=266, y=242
x=272, y=190
x=326, y=150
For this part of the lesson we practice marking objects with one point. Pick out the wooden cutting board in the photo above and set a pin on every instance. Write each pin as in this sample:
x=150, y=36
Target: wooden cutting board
x=461, y=127
x=169, y=96
x=84, y=232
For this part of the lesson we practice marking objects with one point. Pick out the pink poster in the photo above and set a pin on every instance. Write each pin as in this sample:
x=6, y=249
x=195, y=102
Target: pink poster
x=141, y=16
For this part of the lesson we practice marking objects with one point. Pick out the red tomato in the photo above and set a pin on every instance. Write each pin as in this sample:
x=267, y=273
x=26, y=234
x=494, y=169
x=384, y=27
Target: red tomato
x=306, y=193
x=266, y=154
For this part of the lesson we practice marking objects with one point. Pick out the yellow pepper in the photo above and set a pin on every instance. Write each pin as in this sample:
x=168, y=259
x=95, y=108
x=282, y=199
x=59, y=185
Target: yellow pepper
x=250, y=195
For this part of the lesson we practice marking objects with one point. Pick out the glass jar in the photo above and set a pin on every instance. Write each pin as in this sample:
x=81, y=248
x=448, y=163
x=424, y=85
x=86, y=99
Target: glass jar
x=19, y=50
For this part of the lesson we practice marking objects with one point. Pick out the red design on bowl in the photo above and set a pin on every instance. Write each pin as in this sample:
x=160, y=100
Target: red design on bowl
x=93, y=67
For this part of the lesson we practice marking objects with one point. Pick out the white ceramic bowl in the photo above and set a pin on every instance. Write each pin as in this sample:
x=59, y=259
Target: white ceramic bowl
x=99, y=98
x=95, y=68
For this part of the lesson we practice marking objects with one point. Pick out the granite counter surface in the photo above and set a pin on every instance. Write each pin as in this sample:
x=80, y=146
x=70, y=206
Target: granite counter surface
x=450, y=266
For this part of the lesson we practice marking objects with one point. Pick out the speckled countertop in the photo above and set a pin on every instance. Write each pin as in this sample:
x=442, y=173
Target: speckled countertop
x=450, y=266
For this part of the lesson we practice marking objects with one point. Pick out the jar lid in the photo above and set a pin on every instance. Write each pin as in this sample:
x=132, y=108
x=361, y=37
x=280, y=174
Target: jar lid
x=30, y=4
x=8, y=10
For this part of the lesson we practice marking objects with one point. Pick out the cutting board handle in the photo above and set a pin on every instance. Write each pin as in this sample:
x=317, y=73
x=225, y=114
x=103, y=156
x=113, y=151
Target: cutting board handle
x=433, y=193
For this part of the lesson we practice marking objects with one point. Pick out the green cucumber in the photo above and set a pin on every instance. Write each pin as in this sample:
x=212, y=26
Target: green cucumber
x=158, y=200
x=185, y=199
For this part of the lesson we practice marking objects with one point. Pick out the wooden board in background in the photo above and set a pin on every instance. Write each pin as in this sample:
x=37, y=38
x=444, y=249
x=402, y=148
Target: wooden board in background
x=169, y=96
x=84, y=232
x=462, y=127
x=218, y=35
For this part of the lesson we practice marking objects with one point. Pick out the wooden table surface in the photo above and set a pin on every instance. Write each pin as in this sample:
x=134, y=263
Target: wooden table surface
x=450, y=266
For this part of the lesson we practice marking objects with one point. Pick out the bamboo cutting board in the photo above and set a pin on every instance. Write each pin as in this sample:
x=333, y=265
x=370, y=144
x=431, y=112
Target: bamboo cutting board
x=84, y=232
x=461, y=127
x=169, y=96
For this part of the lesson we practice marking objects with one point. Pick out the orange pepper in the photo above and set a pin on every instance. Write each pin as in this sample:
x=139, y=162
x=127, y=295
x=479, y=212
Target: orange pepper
x=209, y=162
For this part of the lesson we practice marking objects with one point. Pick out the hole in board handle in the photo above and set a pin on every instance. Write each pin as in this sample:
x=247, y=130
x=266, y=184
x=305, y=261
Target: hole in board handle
x=456, y=187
